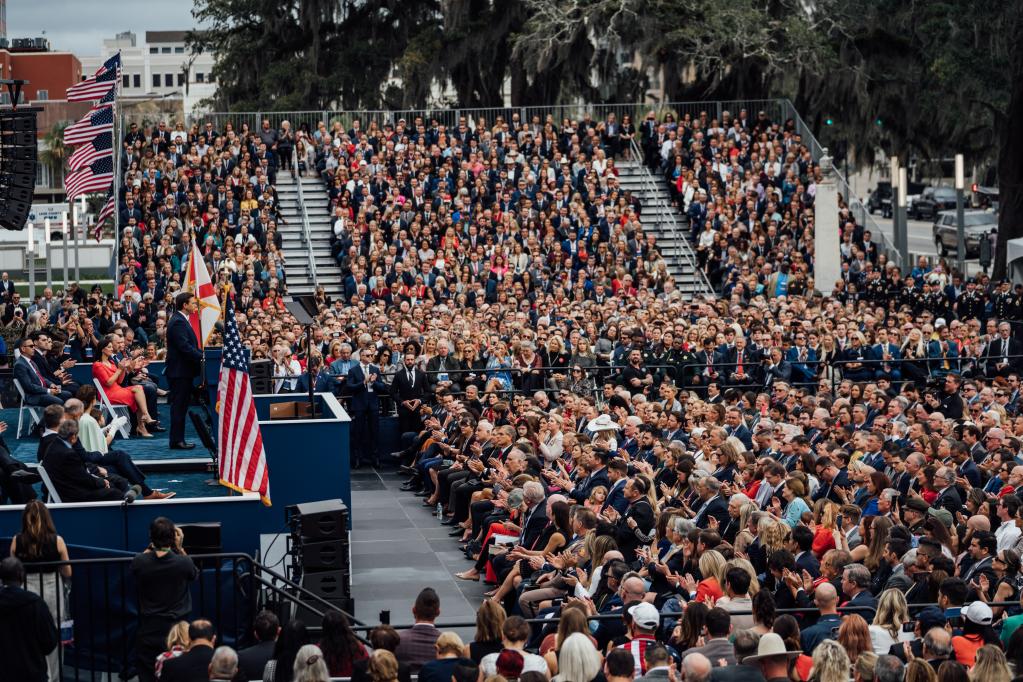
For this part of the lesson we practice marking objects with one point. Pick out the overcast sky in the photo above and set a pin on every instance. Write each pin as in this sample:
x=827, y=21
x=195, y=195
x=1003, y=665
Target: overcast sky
x=80, y=26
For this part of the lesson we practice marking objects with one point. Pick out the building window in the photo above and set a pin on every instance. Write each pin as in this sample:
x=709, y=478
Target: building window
x=125, y=80
x=181, y=79
x=168, y=80
x=179, y=50
x=156, y=80
x=137, y=80
x=5, y=98
x=200, y=77
x=154, y=50
x=165, y=50
x=42, y=95
x=41, y=174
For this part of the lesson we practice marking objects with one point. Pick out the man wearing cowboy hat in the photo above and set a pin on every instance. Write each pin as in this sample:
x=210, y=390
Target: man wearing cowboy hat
x=772, y=657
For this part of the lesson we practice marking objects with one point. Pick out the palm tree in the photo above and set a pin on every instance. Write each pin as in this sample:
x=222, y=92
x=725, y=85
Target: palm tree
x=55, y=154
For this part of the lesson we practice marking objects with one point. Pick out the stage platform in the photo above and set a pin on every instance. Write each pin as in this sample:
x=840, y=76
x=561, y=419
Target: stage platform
x=398, y=548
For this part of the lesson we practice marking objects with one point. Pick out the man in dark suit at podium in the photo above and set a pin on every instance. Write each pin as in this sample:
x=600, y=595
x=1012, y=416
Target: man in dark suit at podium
x=183, y=365
x=364, y=387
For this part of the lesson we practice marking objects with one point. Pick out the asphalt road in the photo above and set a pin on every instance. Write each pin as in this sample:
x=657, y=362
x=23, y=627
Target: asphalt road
x=921, y=240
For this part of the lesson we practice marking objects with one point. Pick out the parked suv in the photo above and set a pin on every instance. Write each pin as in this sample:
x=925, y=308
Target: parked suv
x=977, y=226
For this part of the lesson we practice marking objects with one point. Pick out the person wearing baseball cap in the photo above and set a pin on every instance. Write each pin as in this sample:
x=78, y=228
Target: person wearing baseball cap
x=642, y=632
x=977, y=632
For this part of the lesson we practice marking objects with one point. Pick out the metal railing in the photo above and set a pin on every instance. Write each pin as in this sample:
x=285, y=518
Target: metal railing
x=104, y=607
x=859, y=211
x=683, y=248
x=306, y=239
x=450, y=117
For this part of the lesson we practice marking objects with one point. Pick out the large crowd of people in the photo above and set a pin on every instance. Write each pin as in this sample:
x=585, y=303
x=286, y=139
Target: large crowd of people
x=679, y=485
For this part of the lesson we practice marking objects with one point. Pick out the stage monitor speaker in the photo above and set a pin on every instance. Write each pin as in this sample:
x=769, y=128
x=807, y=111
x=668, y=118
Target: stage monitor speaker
x=325, y=555
x=261, y=374
x=201, y=538
x=326, y=520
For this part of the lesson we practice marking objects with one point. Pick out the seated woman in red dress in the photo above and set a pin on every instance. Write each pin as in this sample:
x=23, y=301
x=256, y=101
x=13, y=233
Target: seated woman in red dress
x=110, y=374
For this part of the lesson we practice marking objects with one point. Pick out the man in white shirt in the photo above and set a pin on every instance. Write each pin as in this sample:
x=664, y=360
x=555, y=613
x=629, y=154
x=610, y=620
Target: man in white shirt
x=1008, y=533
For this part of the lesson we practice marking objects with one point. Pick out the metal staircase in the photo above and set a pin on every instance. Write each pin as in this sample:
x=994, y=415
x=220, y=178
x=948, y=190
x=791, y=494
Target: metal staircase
x=306, y=236
x=659, y=218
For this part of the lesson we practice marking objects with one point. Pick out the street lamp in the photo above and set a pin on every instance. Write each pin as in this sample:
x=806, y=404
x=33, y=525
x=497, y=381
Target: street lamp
x=903, y=237
x=960, y=216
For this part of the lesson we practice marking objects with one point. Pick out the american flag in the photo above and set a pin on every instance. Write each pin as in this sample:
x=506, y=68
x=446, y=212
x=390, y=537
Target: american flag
x=106, y=212
x=100, y=147
x=96, y=177
x=99, y=84
x=242, y=457
x=98, y=120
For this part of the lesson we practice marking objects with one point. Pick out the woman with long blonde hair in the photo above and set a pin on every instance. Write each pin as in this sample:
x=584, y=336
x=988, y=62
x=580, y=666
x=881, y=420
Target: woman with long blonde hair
x=830, y=662
x=991, y=665
x=892, y=614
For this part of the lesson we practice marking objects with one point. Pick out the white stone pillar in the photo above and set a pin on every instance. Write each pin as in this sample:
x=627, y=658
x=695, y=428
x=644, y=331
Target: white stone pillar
x=827, y=256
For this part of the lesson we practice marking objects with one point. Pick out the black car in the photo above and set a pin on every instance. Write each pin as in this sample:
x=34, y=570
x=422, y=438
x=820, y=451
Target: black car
x=932, y=201
x=882, y=194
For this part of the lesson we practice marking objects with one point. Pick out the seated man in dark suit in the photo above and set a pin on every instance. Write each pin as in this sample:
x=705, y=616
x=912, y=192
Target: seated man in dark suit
x=252, y=660
x=117, y=461
x=16, y=478
x=194, y=664
x=39, y=391
x=50, y=365
x=68, y=471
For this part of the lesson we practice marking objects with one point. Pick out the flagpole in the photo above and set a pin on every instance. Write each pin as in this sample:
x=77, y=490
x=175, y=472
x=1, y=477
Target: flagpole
x=118, y=144
x=63, y=235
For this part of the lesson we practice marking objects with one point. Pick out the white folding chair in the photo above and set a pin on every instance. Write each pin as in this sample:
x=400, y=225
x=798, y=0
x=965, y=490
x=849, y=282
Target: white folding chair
x=112, y=410
x=35, y=414
x=51, y=490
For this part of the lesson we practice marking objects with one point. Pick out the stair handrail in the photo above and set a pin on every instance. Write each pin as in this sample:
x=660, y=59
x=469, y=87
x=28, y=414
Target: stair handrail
x=681, y=242
x=306, y=239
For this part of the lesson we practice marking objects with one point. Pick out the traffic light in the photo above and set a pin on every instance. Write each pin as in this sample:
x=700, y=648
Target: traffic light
x=878, y=122
x=829, y=121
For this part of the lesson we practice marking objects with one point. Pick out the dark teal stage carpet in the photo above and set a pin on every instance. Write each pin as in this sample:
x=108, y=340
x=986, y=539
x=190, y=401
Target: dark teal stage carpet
x=184, y=483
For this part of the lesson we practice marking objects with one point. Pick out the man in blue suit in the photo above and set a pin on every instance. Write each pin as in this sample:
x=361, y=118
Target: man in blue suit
x=803, y=361
x=364, y=388
x=183, y=364
x=39, y=391
x=891, y=356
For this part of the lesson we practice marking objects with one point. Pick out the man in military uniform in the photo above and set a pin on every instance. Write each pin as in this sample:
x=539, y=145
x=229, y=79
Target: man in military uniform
x=682, y=362
x=970, y=304
x=876, y=289
x=936, y=301
x=911, y=297
x=1007, y=305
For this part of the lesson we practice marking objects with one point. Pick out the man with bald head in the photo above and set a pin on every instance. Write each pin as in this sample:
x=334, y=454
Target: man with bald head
x=696, y=668
x=826, y=627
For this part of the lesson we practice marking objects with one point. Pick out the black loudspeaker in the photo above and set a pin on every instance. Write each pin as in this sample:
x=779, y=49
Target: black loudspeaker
x=18, y=164
x=326, y=520
x=312, y=621
x=328, y=555
x=328, y=584
x=261, y=374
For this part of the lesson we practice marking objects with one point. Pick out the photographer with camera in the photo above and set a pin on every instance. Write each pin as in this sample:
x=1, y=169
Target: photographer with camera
x=163, y=573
